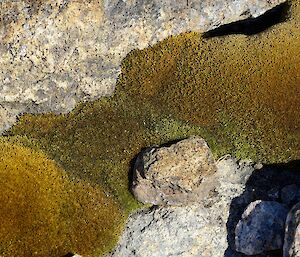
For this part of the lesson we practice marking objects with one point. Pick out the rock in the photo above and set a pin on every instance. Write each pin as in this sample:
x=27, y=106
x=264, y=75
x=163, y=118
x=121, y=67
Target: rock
x=8, y=116
x=261, y=228
x=56, y=53
x=290, y=195
x=175, y=175
x=291, y=246
x=274, y=194
x=198, y=230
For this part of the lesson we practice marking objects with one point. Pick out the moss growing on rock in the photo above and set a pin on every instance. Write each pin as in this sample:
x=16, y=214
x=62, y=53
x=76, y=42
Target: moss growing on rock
x=240, y=93
x=245, y=89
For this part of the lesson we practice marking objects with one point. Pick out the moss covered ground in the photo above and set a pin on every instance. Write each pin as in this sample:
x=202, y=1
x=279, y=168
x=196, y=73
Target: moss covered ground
x=45, y=213
x=240, y=93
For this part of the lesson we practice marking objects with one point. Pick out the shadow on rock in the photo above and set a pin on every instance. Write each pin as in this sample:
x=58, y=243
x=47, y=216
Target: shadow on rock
x=251, y=26
x=264, y=184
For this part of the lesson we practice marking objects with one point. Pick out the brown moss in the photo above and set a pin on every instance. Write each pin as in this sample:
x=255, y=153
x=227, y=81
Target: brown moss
x=28, y=210
x=43, y=213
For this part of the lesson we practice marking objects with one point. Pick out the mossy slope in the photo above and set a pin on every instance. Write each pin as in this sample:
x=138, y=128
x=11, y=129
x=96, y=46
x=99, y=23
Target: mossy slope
x=240, y=93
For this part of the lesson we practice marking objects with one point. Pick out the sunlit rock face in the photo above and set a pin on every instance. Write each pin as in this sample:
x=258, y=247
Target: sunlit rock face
x=56, y=53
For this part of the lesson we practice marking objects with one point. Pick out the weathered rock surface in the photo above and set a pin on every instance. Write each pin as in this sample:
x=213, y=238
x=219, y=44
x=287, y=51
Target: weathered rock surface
x=56, y=53
x=290, y=195
x=261, y=228
x=198, y=230
x=291, y=246
x=176, y=175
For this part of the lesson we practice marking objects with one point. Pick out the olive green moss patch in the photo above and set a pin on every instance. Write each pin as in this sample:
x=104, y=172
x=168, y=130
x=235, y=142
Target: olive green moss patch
x=245, y=90
x=241, y=94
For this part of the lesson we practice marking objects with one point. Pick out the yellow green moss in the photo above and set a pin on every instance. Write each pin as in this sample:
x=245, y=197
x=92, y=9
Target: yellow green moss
x=44, y=213
x=240, y=93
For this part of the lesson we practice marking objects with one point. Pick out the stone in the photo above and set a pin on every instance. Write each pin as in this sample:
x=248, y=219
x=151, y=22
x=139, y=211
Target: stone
x=198, y=230
x=176, y=175
x=273, y=194
x=290, y=195
x=57, y=53
x=261, y=228
x=291, y=247
x=8, y=116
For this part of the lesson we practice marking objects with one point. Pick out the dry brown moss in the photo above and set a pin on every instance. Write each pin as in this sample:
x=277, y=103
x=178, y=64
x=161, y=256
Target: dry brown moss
x=43, y=213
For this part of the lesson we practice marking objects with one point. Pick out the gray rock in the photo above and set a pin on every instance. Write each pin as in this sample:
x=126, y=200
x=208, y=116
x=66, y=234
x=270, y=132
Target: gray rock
x=192, y=231
x=177, y=175
x=261, y=227
x=8, y=115
x=291, y=246
x=56, y=53
x=290, y=194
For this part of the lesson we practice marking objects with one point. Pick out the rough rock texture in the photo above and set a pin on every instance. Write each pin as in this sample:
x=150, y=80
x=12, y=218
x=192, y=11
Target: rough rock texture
x=291, y=246
x=177, y=175
x=56, y=53
x=290, y=195
x=261, y=228
x=8, y=115
x=198, y=230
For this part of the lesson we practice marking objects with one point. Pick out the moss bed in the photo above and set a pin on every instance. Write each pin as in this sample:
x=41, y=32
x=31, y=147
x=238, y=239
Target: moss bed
x=240, y=93
x=45, y=213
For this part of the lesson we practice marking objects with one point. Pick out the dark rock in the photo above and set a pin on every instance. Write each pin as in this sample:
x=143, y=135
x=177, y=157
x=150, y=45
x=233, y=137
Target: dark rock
x=261, y=228
x=274, y=194
x=290, y=195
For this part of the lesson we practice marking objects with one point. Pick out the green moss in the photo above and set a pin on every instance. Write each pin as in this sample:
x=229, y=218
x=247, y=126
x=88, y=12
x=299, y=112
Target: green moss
x=240, y=93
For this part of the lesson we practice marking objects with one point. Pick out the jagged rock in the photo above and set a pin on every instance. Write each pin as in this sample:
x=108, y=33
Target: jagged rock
x=290, y=195
x=192, y=231
x=56, y=53
x=175, y=175
x=261, y=228
x=291, y=246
